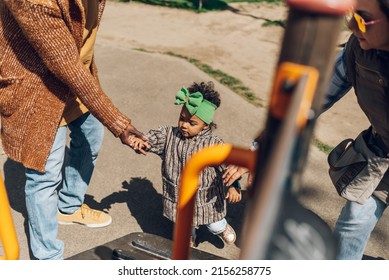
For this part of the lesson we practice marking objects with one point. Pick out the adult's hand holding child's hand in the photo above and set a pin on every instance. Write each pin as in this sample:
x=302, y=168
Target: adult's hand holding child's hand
x=135, y=139
x=138, y=144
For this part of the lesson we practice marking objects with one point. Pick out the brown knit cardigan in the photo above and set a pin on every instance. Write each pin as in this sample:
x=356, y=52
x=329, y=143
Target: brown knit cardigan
x=40, y=42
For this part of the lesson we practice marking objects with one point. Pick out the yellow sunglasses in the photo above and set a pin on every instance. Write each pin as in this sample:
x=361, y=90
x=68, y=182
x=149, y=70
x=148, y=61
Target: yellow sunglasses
x=360, y=21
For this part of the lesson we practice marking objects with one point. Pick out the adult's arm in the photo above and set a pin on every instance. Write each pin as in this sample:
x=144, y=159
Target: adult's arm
x=339, y=85
x=42, y=23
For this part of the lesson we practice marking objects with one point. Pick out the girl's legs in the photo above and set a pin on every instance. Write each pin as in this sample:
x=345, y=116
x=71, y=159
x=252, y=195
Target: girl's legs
x=217, y=227
x=354, y=226
x=223, y=230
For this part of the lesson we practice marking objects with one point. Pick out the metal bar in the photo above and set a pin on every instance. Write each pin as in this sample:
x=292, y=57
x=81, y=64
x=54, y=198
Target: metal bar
x=7, y=229
x=310, y=40
x=209, y=156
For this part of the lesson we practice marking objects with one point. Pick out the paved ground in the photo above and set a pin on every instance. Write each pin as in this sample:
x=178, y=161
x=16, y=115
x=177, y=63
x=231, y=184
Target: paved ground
x=128, y=185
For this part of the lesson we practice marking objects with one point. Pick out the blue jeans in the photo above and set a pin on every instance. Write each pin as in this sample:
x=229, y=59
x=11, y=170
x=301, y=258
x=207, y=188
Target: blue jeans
x=52, y=190
x=217, y=227
x=354, y=226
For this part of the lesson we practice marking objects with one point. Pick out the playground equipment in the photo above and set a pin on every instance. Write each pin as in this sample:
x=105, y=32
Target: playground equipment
x=7, y=229
x=275, y=226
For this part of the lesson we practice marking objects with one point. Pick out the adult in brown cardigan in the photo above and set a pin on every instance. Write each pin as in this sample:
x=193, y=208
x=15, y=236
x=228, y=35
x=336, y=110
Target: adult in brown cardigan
x=49, y=83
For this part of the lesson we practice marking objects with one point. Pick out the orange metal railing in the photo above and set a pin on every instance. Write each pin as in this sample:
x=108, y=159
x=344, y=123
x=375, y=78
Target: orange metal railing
x=7, y=229
x=303, y=63
x=214, y=155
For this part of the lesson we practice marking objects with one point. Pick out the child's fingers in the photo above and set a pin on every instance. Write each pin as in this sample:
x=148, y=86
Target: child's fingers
x=140, y=147
x=233, y=200
x=229, y=198
x=141, y=151
x=234, y=197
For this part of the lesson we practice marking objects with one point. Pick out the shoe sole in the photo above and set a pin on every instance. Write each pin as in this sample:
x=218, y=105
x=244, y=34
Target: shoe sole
x=227, y=243
x=87, y=225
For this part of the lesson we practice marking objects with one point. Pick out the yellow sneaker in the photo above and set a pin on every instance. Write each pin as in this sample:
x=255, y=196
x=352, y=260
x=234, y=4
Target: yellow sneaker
x=85, y=216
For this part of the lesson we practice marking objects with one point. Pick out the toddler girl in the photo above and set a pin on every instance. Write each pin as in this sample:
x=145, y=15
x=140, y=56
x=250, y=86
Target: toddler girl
x=176, y=144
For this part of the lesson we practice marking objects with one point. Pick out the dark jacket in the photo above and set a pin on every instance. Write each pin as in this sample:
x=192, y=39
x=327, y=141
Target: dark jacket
x=368, y=72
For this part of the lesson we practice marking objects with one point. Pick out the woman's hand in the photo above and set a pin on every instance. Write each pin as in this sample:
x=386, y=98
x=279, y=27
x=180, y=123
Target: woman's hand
x=135, y=139
x=233, y=173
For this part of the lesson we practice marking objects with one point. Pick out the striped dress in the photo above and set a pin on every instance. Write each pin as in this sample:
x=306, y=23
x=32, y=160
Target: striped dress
x=175, y=150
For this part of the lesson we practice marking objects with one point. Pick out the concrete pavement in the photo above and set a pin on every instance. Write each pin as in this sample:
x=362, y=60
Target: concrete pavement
x=128, y=185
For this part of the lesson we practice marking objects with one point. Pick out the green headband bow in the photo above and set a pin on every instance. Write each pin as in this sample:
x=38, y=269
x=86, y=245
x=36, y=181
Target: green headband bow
x=196, y=104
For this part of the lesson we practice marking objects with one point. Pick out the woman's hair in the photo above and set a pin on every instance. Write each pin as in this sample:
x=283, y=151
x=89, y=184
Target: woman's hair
x=209, y=93
x=384, y=6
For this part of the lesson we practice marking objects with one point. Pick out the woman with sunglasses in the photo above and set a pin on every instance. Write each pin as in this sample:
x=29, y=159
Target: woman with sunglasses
x=363, y=65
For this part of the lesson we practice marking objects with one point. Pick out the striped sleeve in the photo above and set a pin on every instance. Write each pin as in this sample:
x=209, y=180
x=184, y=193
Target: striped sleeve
x=157, y=140
x=339, y=85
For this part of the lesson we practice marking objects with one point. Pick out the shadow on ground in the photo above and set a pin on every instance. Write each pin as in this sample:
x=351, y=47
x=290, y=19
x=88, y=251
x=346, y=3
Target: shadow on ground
x=144, y=204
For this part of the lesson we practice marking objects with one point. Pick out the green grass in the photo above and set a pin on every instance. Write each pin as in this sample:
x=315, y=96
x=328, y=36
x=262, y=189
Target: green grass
x=279, y=22
x=225, y=79
x=322, y=146
x=234, y=84
x=256, y=1
x=237, y=86
x=207, y=5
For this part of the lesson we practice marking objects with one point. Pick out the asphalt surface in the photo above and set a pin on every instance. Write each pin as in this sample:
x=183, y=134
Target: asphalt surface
x=128, y=185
